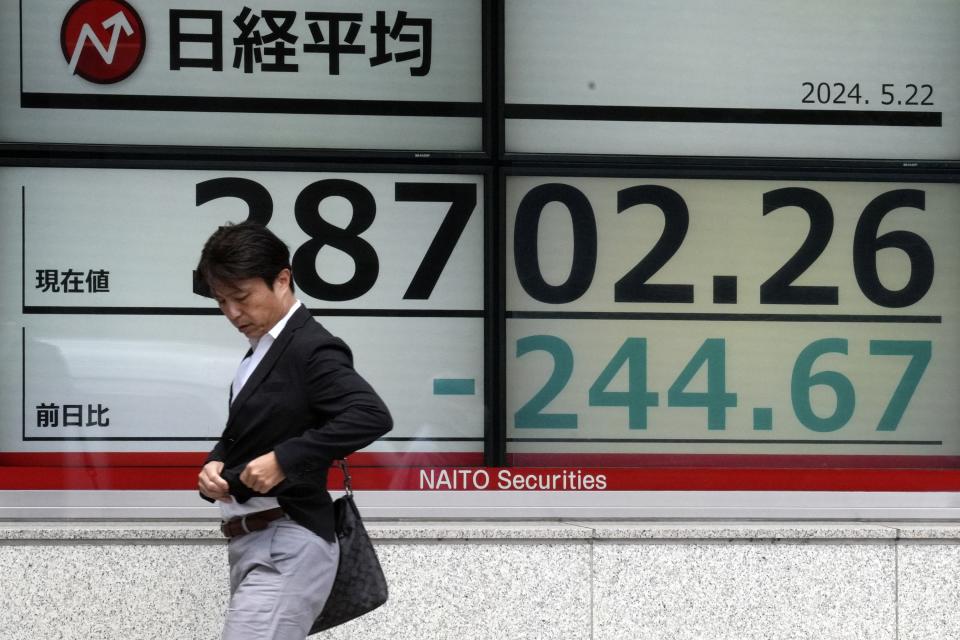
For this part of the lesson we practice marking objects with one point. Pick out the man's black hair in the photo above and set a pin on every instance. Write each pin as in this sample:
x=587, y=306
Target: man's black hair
x=242, y=251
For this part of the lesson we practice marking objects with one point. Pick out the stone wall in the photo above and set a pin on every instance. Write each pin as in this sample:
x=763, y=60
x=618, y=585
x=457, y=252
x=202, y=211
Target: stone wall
x=489, y=580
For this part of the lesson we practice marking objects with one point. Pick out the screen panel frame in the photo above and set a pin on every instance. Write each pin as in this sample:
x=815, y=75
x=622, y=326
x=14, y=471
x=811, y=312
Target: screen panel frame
x=697, y=477
x=494, y=163
x=936, y=502
x=161, y=472
x=38, y=151
x=686, y=162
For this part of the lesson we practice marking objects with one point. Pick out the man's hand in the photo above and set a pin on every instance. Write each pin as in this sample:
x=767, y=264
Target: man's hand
x=263, y=473
x=211, y=484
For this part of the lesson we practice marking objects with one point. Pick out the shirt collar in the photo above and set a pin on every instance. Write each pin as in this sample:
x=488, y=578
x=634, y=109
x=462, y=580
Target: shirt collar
x=277, y=328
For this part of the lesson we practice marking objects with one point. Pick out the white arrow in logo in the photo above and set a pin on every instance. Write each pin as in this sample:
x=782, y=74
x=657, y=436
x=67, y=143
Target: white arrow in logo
x=118, y=22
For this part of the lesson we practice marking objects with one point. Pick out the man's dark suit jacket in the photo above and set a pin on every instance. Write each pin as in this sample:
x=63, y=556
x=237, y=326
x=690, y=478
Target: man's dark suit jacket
x=305, y=403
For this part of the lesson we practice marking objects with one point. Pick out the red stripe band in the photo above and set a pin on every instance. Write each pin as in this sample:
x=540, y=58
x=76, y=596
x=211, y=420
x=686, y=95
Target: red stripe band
x=460, y=471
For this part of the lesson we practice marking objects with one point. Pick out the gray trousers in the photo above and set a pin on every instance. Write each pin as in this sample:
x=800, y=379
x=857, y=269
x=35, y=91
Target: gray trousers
x=280, y=578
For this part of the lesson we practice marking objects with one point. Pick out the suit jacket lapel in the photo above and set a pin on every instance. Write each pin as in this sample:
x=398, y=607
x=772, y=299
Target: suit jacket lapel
x=297, y=320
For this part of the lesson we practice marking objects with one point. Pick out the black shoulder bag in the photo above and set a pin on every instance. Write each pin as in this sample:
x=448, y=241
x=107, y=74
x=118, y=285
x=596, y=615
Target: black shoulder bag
x=360, y=586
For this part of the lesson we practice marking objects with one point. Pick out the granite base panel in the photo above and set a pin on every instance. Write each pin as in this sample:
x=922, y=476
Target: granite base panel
x=469, y=580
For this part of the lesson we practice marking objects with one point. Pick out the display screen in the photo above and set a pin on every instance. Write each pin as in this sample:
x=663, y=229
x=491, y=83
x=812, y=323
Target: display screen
x=741, y=322
x=107, y=349
x=659, y=246
x=817, y=79
x=382, y=76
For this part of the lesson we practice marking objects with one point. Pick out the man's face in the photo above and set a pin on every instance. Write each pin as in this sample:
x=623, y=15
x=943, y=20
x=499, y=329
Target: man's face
x=252, y=306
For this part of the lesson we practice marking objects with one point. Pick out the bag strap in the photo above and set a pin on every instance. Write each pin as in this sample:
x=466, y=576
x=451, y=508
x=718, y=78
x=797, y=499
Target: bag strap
x=345, y=469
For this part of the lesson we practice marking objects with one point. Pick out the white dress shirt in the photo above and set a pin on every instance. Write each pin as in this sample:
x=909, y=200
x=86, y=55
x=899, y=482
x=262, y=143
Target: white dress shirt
x=259, y=348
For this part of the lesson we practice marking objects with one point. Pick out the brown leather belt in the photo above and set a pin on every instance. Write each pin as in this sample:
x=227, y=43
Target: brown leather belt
x=250, y=522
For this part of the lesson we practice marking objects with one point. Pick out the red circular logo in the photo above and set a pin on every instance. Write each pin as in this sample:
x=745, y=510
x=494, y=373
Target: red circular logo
x=102, y=40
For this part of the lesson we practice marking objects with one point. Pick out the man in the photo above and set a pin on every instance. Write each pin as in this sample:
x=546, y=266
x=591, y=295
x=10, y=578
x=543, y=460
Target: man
x=296, y=405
